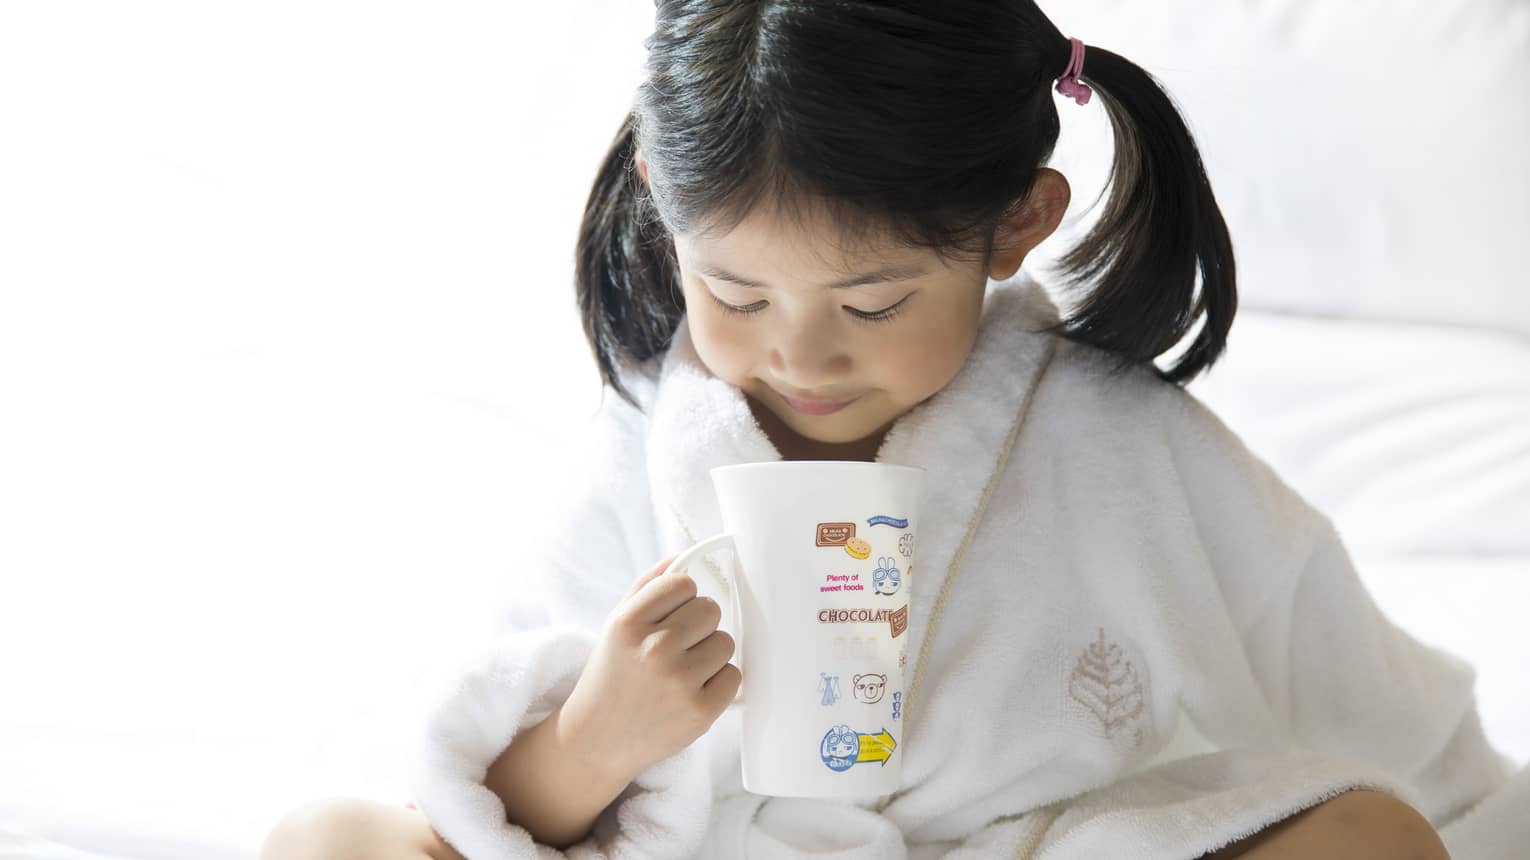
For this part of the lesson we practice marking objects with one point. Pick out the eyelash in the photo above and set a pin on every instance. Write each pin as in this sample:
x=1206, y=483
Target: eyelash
x=881, y=316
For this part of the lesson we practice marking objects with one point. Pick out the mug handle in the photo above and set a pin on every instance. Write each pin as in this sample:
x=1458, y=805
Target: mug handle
x=731, y=610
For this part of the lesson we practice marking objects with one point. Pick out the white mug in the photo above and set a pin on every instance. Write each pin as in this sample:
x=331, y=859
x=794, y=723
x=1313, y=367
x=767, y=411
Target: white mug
x=818, y=610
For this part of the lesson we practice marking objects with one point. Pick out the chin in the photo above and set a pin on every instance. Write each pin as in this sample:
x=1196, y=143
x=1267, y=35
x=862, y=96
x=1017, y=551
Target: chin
x=829, y=432
x=831, y=438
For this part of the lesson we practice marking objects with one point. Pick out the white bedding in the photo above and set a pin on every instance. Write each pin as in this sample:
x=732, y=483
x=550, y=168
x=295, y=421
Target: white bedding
x=18, y=845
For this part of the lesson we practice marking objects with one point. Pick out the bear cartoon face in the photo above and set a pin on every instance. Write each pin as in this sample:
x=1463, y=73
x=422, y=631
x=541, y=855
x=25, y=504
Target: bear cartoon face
x=869, y=687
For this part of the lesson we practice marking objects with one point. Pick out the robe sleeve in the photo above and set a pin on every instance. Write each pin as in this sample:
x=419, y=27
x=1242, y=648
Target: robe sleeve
x=1344, y=678
x=1355, y=684
x=575, y=572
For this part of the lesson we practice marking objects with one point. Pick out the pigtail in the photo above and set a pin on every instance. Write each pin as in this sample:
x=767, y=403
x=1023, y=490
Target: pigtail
x=624, y=270
x=1160, y=224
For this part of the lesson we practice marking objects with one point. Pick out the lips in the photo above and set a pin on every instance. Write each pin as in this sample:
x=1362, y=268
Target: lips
x=817, y=407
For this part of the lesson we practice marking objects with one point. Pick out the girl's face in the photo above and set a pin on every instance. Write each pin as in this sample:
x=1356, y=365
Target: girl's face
x=794, y=321
x=879, y=345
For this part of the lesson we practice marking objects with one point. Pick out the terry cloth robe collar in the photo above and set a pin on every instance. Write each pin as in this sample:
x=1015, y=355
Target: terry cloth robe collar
x=700, y=422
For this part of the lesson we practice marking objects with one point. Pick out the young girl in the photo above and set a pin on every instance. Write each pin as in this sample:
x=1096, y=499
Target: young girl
x=1128, y=636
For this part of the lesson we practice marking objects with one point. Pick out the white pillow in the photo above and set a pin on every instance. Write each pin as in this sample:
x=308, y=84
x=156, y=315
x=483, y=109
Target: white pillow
x=1372, y=159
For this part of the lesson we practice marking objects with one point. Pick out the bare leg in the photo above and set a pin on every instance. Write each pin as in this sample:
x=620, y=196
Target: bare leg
x=351, y=828
x=1358, y=824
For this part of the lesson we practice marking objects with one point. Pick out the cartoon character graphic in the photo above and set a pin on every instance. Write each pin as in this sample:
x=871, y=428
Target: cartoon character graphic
x=869, y=687
x=886, y=578
x=842, y=748
x=839, y=748
x=829, y=687
x=906, y=544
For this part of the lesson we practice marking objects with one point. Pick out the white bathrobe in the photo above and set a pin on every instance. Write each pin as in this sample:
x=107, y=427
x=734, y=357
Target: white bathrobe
x=1152, y=647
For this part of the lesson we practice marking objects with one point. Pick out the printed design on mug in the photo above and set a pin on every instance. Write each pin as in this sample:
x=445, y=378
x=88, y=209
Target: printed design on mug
x=836, y=615
x=858, y=548
x=828, y=685
x=842, y=582
x=869, y=687
x=835, y=534
x=897, y=619
x=881, y=520
x=854, y=648
x=906, y=545
x=886, y=578
x=897, y=705
x=842, y=748
x=1105, y=682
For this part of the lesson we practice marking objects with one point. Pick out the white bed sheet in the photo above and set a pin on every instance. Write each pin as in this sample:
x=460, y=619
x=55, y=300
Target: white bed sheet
x=17, y=844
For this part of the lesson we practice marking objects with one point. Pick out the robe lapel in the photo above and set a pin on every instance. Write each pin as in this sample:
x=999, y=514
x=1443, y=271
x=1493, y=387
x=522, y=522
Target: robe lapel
x=700, y=422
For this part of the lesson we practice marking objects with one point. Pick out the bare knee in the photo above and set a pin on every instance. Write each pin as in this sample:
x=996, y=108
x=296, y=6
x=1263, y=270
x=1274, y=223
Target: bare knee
x=1380, y=825
x=342, y=828
x=1357, y=825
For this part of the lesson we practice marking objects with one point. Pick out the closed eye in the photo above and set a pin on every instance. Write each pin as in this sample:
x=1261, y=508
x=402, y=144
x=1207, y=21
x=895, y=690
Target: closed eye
x=882, y=315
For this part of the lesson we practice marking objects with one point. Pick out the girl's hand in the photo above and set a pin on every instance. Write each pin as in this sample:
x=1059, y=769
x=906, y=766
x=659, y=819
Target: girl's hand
x=658, y=678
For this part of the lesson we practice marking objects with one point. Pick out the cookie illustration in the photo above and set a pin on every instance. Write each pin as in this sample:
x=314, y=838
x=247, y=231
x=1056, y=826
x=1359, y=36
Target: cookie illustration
x=858, y=547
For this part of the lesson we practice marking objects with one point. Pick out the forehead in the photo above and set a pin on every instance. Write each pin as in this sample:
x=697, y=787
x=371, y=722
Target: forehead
x=804, y=241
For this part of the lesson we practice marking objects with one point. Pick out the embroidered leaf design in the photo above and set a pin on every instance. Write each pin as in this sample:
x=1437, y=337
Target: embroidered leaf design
x=1107, y=685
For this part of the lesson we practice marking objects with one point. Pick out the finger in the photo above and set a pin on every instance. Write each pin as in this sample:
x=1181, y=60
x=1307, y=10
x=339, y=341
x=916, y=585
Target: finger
x=722, y=687
x=694, y=621
x=649, y=575
x=660, y=596
x=709, y=654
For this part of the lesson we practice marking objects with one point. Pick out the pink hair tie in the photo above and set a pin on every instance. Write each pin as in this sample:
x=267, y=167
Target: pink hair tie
x=1069, y=84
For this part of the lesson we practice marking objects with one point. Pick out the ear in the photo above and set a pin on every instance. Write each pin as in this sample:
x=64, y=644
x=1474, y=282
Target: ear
x=642, y=164
x=1034, y=220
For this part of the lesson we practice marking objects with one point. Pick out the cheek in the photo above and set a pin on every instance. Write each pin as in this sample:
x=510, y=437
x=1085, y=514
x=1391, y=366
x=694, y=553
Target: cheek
x=725, y=347
x=920, y=362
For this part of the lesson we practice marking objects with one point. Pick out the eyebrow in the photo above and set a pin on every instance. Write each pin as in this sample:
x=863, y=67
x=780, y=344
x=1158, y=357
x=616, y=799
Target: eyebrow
x=891, y=273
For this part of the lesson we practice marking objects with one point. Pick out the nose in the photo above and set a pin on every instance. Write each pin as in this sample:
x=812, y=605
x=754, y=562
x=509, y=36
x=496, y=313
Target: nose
x=809, y=354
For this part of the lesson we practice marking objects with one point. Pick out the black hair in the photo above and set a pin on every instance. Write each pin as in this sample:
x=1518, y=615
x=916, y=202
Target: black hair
x=923, y=122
